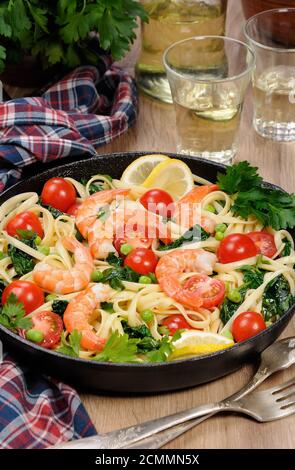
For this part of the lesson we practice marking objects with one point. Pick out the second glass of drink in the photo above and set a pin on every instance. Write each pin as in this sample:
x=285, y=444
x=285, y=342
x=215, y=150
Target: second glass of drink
x=208, y=77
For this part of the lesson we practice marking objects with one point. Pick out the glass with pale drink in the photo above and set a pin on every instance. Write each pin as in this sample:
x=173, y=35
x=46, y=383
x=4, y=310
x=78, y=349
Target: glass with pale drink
x=208, y=77
x=171, y=21
x=271, y=34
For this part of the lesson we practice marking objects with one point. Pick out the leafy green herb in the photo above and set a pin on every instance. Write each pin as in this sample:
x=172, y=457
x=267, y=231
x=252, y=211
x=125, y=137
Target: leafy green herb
x=253, y=276
x=114, y=260
x=103, y=213
x=70, y=346
x=239, y=178
x=162, y=353
x=119, y=348
x=195, y=234
x=54, y=212
x=22, y=262
x=114, y=276
x=276, y=299
x=58, y=31
x=107, y=307
x=272, y=207
x=13, y=315
x=59, y=306
x=287, y=248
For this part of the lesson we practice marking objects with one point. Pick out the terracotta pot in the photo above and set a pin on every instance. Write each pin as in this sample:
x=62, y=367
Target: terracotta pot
x=29, y=73
x=282, y=32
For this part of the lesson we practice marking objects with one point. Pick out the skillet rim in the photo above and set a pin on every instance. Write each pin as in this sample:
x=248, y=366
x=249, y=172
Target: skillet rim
x=67, y=164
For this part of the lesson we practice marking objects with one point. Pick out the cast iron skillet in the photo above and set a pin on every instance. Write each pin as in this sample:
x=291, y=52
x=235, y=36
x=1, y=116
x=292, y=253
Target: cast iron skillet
x=130, y=378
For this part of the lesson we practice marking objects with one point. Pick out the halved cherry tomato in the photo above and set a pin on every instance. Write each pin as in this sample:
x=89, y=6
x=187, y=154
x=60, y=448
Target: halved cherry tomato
x=159, y=202
x=246, y=325
x=265, y=243
x=24, y=221
x=175, y=323
x=141, y=260
x=235, y=247
x=58, y=193
x=212, y=291
x=26, y=292
x=74, y=209
x=51, y=326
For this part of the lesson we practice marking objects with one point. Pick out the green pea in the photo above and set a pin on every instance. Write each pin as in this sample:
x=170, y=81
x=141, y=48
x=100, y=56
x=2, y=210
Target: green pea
x=50, y=297
x=227, y=334
x=210, y=208
x=126, y=249
x=145, y=280
x=96, y=276
x=38, y=240
x=44, y=249
x=147, y=315
x=35, y=335
x=220, y=228
x=219, y=236
x=234, y=295
x=163, y=330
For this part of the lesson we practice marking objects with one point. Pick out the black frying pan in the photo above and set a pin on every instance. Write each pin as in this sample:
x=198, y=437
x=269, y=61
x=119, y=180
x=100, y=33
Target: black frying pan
x=130, y=378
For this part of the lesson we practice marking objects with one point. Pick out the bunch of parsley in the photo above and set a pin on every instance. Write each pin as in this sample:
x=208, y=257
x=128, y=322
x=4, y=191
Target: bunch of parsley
x=57, y=32
x=272, y=207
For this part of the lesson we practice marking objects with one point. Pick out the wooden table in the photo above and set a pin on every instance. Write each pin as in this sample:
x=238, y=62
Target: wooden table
x=155, y=131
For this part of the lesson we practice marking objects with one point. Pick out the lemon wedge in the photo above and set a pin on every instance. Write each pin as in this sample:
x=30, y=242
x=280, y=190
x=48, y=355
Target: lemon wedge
x=172, y=175
x=137, y=172
x=194, y=343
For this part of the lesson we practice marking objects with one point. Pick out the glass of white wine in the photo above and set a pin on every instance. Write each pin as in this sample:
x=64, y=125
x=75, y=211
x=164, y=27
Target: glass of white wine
x=271, y=34
x=209, y=77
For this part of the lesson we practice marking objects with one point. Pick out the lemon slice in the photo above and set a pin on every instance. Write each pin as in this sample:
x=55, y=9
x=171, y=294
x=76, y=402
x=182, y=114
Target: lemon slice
x=137, y=172
x=172, y=175
x=194, y=343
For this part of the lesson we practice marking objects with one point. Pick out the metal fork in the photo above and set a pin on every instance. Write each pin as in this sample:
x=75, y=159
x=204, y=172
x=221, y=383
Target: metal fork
x=278, y=356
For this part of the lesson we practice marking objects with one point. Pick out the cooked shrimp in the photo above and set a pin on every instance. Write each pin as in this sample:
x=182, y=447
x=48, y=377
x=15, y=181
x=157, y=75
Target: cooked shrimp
x=66, y=281
x=81, y=311
x=171, y=266
x=137, y=227
x=89, y=209
x=187, y=211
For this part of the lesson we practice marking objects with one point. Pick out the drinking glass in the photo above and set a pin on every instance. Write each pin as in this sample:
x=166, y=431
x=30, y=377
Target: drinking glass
x=208, y=77
x=171, y=21
x=271, y=34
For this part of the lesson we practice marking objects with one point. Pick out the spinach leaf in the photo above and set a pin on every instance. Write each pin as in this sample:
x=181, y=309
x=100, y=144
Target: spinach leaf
x=146, y=341
x=22, y=262
x=107, y=307
x=59, y=306
x=93, y=187
x=114, y=276
x=114, y=260
x=229, y=308
x=194, y=234
x=253, y=276
x=54, y=212
x=287, y=248
x=276, y=299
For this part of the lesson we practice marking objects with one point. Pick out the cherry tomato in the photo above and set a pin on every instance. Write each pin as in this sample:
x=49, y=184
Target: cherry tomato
x=26, y=292
x=141, y=260
x=236, y=247
x=58, y=193
x=175, y=323
x=212, y=291
x=24, y=221
x=246, y=325
x=51, y=326
x=265, y=243
x=73, y=209
x=158, y=201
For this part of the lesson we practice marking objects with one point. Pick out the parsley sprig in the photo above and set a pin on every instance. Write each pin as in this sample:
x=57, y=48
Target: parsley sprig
x=272, y=207
x=12, y=315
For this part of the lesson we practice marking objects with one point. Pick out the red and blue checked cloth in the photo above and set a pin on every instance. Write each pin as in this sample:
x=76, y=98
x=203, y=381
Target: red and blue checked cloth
x=37, y=411
x=87, y=108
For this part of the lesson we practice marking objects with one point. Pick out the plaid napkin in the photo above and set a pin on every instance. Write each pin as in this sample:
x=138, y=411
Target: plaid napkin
x=37, y=411
x=89, y=107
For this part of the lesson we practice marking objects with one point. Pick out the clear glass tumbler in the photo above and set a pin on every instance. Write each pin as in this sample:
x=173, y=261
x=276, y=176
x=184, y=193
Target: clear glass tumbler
x=171, y=21
x=271, y=34
x=208, y=77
